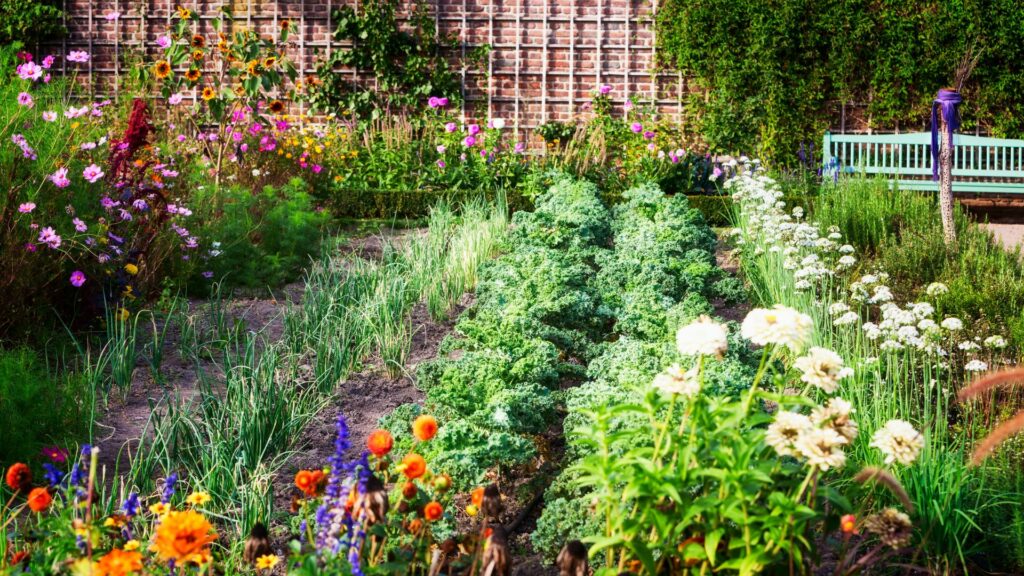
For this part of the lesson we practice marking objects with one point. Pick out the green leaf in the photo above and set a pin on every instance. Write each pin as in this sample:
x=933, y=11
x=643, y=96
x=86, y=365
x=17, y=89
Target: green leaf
x=711, y=541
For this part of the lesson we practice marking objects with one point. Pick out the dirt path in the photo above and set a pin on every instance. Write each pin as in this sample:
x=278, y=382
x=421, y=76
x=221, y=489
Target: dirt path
x=1011, y=236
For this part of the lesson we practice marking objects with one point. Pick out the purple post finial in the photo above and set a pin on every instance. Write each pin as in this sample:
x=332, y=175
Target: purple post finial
x=947, y=100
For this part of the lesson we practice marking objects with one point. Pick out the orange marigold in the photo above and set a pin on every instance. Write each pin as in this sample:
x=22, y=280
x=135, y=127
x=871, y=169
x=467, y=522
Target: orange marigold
x=39, y=499
x=309, y=481
x=424, y=427
x=477, y=496
x=433, y=511
x=19, y=477
x=380, y=443
x=184, y=537
x=414, y=466
x=119, y=563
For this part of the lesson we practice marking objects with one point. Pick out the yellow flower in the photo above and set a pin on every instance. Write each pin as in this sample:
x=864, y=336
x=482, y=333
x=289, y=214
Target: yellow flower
x=131, y=545
x=159, y=508
x=83, y=567
x=209, y=93
x=184, y=537
x=198, y=498
x=267, y=562
x=471, y=510
x=123, y=314
x=74, y=125
x=131, y=269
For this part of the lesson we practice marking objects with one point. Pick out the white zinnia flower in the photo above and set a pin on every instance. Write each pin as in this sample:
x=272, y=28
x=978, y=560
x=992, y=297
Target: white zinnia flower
x=783, y=433
x=702, y=337
x=898, y=441
x=836, y=415
x=822, y=447
x=968, y=346
x=779, y=325
x=822, y=368
x=674, y=381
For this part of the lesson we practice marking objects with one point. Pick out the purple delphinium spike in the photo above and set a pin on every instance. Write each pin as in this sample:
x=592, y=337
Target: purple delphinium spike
x=169, y=485
x=331, y=515
x=53, y=474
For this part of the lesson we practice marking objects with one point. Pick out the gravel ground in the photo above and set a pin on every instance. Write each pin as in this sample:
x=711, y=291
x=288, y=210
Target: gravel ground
x=1010, y=235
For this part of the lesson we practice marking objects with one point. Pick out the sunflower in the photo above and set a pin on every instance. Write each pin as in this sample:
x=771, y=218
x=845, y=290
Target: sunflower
x=239, y=90
x=269, y=62
x=198, y=41
x=222, y=45
x=184, y=537
x=198, y=55
x=193, y=74
x=184, y=13
x=209, y=93
x=162, y=68
x=277, y=107
x=286, y=24
x=253, y=68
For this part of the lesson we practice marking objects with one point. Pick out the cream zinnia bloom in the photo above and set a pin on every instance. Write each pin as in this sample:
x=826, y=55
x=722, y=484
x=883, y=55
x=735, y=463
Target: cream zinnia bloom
x=787, y=428
x=675, y=381
x=779, y=325
x=822, y=368
x=703, y=337
x=836, y=415
x=823, y=448
x=899, y=441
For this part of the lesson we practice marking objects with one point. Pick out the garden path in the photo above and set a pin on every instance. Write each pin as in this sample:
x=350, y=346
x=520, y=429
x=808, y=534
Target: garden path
x=1010, y=236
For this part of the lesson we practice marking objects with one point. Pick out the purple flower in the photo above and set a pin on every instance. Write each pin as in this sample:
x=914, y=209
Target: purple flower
x=208, y=274
x=77, y=278
x=519, y=148
x=441, y=164
x=79, y=225
x=316, y=168
x=649, y=135
x=605, y=89
x=49, y=237
x=169, y=484
x=637, y=127
x=26, y=207
x=78, y=56
x=60, y=178
x=107, y=203
x=469, y=141
x=473, y=129
x=26, y=150
x=450, y=127
x=131, y=505
x=716, y=173
x=92, y=173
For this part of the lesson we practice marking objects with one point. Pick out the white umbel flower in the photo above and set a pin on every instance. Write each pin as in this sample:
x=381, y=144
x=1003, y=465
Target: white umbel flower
x=779, y=325
x=936, y=289
x=787, y=428
x=995, y=342
x=898, y=441
x=823, y=368
x=704, y=337
x=837, y=416
x=976, y=366
x=952, y=324
x=675, y=381
x=823, y=448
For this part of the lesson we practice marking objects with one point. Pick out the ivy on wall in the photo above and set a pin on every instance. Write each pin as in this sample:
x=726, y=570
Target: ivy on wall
x=770, y=72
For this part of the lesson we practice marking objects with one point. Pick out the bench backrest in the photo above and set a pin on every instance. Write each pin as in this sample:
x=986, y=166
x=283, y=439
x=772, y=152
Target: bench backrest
x=909, y=155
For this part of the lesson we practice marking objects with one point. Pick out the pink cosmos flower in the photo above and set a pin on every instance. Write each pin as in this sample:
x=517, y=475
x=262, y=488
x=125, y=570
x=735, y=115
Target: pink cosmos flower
x=56, y=454
x=25, y=99
x=26, y=207
x=79, y=225
x=29, y=71
x=652, y=147
x=442, y=102
x=317, y=168
x=433, y=102
x=163, y=41
x=473, y=129
x=441, y=164
x=441, y=148
x=77, y=278
x=60, y=178
x=92, y=173
x=49, y=237
x=175, y=99
x=469, y=141
x=649, y=135
x=637, y=127
x=450, y=127
x=605, y=89
x=627, y=105
x=519, y=148
x=112, y=16
x=50, y=116
x=48, y=61
x=78, y=56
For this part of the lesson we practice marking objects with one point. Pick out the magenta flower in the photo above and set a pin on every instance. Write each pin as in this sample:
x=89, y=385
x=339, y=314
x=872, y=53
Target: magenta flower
x=441, y=148
x=434, y=102
x=442, y=102
x=50, y=116
x=637, y=127
x=29, y=71
x=605, y=89
x=112, y=16
x=473, y=129
x=78, y=56
x=649, y=135
x=208, y=274
x=48, y=61
x=77, y=278
x=79, y=225
x=27, y=207
x=441, y=164
x=60, y=178
x=92, y=173
x=519, y=148
x=163, y=41
x=469, y=141
x=450, y=127
x=56, y=454
x=25, y=99
x=175, y=99
x=49, y=237
x=627, y=105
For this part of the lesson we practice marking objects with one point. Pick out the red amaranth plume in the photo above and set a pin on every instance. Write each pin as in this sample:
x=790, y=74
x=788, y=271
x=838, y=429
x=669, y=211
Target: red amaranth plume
x=135, y=137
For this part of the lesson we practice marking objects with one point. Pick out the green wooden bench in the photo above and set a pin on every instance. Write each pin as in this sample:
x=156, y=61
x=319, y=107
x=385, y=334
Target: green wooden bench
x=980, y=165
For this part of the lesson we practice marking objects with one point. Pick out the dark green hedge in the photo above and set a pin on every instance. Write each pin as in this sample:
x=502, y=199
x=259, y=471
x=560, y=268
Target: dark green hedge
x=773, y=71
x=404, y=204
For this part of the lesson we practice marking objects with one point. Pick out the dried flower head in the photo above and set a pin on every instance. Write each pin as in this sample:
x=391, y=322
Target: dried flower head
x=891, y=526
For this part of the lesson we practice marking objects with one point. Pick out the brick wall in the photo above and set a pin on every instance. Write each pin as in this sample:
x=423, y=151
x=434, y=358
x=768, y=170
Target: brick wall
x=546, y=58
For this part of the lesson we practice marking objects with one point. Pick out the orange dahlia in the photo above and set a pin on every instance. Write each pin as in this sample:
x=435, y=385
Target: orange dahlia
x=424, y=427
x=39, y=499
x=119, y=563
x=184, y=537
x=309, y=481
x=433, y=511
x=380, y=443
x=413, y=466
x=19, y=477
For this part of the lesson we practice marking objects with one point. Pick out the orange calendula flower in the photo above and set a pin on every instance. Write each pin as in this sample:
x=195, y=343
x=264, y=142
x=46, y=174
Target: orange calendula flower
x=119, y=563
x=19, y=477
x=162, y=68
x=380, y=442
x=477, y=496
x=433, y=511
x=184, y=537
x=848, y=524
x=309, y=481
x=413, y=466
x=415, y=525
x=39, y=499
x=424, y=427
